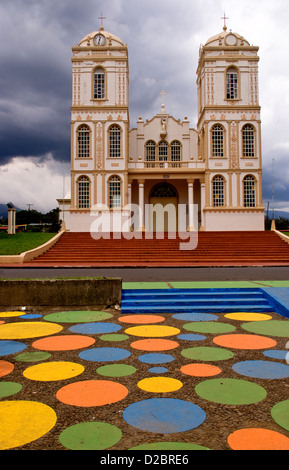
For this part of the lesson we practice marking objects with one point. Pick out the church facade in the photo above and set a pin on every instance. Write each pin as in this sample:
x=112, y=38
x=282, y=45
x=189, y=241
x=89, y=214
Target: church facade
x=205, y=179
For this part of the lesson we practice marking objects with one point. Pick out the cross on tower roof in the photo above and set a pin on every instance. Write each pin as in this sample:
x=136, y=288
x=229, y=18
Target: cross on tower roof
x=101, y=18
x=225, y=18
x=163, y=94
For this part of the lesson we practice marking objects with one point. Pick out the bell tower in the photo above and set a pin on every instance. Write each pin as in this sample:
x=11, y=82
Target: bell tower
x=99, y=122
x=229, y=131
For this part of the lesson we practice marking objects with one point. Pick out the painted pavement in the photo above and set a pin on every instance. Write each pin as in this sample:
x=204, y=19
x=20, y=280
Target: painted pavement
x=98, y=380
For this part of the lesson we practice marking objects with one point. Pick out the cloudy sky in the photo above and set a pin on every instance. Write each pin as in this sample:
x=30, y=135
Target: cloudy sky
x=163, y=37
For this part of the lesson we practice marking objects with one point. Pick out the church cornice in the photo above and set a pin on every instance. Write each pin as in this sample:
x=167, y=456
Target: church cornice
x=225, y=110
x=177, y=173
x=88, y=108
x=226, y=55
x=224, y=47
x=98, y=49
x=234, y=210
x=96, y=58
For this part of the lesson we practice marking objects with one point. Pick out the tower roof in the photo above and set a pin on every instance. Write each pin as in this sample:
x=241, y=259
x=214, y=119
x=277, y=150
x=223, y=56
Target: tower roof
x=227, y=38
x=115, y=41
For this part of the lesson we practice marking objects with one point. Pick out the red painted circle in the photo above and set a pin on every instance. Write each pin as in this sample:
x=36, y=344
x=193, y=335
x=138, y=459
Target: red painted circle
x=63, y=343
x=258, y=439
x=200, y=370
x=244, y=341
x=154, y=344
x=5, y=368
x=142, y=319
x=92, y=393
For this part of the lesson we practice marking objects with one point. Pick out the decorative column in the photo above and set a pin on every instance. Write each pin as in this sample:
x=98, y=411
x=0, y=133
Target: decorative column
x=73, y=191
x=141, y=223
x=129, y=193
x=203, y=203
x=191, y=227
x=11, y=220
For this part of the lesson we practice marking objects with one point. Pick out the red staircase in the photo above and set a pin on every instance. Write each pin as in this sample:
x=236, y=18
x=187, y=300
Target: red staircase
x=213, y=249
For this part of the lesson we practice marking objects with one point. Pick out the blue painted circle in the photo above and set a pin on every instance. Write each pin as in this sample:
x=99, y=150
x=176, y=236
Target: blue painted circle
x=164, y=415
x=192, y=337
x=195, y=316
x=104, y=354
x=158, y=370
x=31, y=316
x=95, y=328
x=11, y=347
x=262, y=369
x=277, y=354
x=155, y=358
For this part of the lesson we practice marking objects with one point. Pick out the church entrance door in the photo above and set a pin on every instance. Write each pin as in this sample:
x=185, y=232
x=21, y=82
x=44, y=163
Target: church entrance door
x=163, y=214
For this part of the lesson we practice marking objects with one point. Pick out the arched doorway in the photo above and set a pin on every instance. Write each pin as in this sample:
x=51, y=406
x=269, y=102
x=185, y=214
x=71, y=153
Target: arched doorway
x=163, y=215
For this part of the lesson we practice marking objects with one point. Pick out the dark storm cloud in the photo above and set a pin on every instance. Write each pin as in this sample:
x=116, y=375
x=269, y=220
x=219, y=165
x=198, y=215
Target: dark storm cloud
x=276, y=178
x=35, y=78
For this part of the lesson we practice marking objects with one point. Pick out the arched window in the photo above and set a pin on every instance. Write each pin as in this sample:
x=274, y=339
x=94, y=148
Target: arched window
x=163, y=151
x=176, y=151
x=115, y=141
x=218, y=141
x=218, y=191
x=164, y=190
x=248, y=137
x=83, y=192
x=232, y=84
x=99, y=84
x=249, y=188
x=83, y=138
x=150, y=153
x=114, y=188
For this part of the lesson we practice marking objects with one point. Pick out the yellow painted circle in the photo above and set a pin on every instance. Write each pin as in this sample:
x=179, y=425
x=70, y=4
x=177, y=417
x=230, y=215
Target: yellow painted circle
x=50, y=371
x=23, y=422
x=11, y=314
x=160, y=384
x=152, y=331
x=248, y=316
x=23, y=330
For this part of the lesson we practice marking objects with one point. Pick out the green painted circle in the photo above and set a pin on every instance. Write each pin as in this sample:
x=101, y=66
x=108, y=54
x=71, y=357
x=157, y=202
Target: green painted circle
x=207, y=354
x=231, y=391
x=169, y=446
x=85, y=316
x=271, y=328
x=9, y=388
x=116, y=370
x=90, y=436
x=209, y=327
x=280, y=414
x=33, y=356
x=114, y=337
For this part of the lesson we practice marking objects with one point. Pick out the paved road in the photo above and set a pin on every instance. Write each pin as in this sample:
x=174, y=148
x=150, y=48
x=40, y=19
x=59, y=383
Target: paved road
x=156, y=274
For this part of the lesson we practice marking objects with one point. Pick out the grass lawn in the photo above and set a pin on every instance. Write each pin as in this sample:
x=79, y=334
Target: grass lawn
x=21, y=242
x=286, y=233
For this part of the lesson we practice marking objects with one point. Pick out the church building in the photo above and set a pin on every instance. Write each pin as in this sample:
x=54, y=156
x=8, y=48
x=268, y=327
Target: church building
x=210, y=177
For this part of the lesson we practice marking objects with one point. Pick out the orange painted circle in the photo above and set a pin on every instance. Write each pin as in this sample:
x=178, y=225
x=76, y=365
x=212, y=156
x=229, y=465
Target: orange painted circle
x=258, y=439
x=154, y=344
x=63, y=343
x=200, y=370
x=143, y=319
x=244, y=341
x=92, y=393
x=5, y=368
